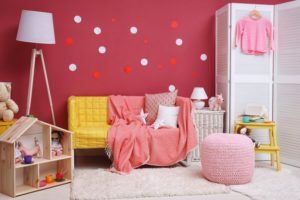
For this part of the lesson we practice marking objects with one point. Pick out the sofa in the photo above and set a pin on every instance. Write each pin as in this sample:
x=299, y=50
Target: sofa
x=87, y=118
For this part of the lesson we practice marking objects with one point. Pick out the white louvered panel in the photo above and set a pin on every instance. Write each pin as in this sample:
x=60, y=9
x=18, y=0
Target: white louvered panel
x=287, y=81
x=288, y=126
x=222, y=33
x=288, y=41
x=222, y=57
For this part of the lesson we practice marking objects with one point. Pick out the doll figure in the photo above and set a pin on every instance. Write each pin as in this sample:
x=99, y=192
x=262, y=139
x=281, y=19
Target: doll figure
x=56, y=147
x=35, y=151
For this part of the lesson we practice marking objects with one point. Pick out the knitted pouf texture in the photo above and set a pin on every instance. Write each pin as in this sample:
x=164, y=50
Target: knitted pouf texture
x=227, y=158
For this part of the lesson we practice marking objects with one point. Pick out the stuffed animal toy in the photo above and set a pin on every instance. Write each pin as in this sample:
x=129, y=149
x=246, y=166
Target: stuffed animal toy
x=215, y=102
x=56, y=147
x=243, y=130
x=7, y=106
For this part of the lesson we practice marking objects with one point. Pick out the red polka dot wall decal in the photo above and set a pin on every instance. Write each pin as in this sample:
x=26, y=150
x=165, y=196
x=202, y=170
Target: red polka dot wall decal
x=195, y=74
x=173, y=61
x=69, y=41
x=127, y=69
x=96, y=74
x=174, y=24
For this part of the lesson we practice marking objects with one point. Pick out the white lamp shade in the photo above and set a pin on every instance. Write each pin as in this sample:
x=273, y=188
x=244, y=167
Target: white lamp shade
x=36, y=27
x=198, y=94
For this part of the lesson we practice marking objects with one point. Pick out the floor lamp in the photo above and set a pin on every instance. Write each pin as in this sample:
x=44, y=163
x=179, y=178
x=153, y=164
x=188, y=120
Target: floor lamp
x=36, y=27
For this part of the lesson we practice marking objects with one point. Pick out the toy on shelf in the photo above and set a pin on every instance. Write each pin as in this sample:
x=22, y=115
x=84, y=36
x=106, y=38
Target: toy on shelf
x=56, y=147
x=49, y=179
x=7, y=106
x=216, y=102
x=21, y=152
x=243, y=130
x=60, y=175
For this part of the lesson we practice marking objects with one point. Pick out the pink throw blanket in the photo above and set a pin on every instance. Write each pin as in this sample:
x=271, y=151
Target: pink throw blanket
x=134, y=144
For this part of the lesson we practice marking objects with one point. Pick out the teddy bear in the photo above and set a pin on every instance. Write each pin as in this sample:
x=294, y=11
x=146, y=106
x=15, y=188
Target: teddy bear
x=243, y=130
x=215, y=102
x=7, y=106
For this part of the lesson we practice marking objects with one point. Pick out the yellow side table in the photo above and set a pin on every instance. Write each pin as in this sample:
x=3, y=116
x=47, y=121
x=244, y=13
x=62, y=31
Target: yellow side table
x=5, y=125
x=272, y=147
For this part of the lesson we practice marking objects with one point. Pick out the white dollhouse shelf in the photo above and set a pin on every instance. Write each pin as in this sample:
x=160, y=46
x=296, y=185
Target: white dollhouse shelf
x=17, y=178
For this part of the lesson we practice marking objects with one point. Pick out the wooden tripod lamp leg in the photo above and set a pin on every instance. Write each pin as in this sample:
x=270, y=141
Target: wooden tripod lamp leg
x=48, y=88
x=36, y=52
x=31, y=77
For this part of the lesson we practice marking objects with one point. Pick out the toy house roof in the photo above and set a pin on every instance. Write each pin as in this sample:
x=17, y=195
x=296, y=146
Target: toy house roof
x=22, y=125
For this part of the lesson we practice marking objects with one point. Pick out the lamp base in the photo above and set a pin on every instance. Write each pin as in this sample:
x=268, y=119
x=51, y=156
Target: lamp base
x=198, y=104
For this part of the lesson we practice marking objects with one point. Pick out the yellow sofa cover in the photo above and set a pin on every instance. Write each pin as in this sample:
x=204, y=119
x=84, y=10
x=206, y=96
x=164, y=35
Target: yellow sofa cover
x=87, y=118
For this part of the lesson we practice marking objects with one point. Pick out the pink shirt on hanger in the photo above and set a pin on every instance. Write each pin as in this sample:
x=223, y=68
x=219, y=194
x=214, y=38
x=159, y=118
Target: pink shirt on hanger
x=255, y=36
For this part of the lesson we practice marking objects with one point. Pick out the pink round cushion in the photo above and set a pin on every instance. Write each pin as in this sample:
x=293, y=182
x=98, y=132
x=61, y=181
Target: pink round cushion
x=227, y=158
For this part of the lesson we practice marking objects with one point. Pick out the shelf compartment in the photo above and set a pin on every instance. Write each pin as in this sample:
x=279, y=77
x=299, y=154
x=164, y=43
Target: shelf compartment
x=27, y=179
x=42, y=160
x=52, y=167
x=65, y=142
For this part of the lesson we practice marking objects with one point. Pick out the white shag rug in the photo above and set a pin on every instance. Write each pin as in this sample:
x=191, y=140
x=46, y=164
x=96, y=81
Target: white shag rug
x=96, y=184
x=269, y=184
x=145, y=182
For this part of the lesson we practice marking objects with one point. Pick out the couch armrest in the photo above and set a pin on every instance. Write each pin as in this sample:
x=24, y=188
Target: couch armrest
x=72, y=117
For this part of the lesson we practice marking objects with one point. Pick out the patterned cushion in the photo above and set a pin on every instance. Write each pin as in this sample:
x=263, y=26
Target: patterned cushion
x=152, y=101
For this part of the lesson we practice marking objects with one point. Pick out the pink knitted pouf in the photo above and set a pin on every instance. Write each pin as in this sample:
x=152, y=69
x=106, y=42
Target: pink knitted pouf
x=227, y=158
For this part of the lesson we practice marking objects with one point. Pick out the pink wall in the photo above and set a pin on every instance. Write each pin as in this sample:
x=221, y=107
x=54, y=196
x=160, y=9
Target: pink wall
x=155, y=41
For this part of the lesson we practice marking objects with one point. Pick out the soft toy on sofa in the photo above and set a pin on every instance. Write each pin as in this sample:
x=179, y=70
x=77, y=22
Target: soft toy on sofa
x=246, y=131
x=7, y=106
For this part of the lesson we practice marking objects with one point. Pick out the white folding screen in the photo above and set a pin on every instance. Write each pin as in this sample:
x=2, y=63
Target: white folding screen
x=287, y=81
x=244, y=79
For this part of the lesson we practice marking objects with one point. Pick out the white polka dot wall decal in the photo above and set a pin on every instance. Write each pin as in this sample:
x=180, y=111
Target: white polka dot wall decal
x=133, y=30
x=203, y=57
x=144, y=61
x=72, y=67
x=97, y=30
x=179, y=42
x=77, y=19
x=102, y=49
x=172, y=88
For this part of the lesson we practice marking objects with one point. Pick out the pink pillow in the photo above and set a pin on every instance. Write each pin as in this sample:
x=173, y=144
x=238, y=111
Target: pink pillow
x=152, y=102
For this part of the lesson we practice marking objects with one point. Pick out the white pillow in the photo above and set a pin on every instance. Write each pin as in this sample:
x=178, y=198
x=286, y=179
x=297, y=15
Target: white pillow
x=167, y=116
